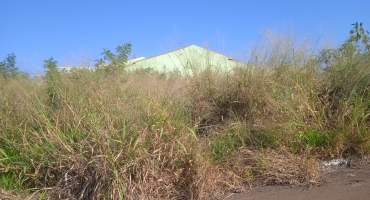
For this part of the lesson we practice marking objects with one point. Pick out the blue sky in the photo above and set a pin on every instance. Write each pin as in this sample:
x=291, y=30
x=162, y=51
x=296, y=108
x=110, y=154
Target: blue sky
x=75, y=31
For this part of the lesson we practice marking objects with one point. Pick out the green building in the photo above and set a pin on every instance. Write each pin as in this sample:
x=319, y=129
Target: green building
x=187, y=61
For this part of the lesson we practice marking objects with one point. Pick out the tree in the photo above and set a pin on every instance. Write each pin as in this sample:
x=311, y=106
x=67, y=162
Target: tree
x=51, y=67
x=347, y=68
x=359, y=35
x=115, y=62
x=8, y=67
x=356, y=45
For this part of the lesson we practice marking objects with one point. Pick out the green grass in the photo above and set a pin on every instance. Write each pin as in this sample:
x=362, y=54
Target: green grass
x=143, y=135
x=225, y=145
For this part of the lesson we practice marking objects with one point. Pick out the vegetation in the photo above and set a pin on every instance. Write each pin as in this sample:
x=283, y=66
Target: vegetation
x=112, y=63
x=89, y=135
x=8, y=68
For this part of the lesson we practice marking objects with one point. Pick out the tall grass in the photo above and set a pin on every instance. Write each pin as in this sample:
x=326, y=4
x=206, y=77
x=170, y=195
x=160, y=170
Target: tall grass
x=92, y=135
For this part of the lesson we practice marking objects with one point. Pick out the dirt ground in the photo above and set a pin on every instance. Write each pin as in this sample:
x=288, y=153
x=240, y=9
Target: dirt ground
x=337, y=184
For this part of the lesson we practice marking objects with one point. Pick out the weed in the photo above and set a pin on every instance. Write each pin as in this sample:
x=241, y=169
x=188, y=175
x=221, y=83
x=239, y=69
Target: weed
x=225, y=145
x=146, y=135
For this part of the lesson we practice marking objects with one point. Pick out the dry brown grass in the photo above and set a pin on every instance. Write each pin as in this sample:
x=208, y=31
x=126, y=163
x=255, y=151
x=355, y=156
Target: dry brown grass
x=152, y=136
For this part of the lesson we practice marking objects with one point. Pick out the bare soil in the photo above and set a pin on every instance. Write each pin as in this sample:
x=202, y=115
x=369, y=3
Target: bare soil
x=339, y=184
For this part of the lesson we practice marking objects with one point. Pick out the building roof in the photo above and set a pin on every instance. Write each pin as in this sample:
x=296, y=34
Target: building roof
x=187, y=59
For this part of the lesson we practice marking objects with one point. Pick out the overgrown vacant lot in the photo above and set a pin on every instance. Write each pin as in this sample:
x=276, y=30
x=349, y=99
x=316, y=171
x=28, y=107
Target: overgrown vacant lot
x=144, y=135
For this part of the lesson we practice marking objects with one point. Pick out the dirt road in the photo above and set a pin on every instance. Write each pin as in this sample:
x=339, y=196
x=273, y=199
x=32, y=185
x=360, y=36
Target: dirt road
x=340, y=184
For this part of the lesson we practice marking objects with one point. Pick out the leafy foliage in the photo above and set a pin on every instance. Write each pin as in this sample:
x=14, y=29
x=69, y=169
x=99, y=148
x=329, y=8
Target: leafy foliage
x=357, y=44
x=8, y=67
x=115, y=62
x=347, y=67
x=359, y=34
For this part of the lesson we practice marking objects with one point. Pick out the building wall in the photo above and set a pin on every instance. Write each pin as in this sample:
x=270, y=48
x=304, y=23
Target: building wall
x=188, y=60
